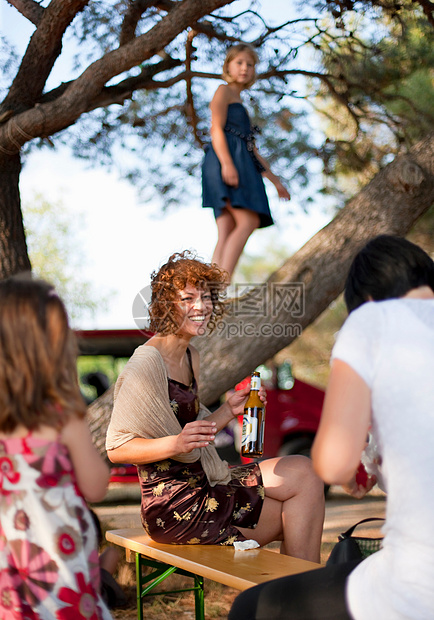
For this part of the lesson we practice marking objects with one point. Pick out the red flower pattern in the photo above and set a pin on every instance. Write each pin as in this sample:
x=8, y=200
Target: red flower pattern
x=82, y=603
x=7, y=471
x=66, y=544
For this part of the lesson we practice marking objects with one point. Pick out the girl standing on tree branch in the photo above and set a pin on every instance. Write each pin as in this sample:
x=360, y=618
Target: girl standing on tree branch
x=232, y=170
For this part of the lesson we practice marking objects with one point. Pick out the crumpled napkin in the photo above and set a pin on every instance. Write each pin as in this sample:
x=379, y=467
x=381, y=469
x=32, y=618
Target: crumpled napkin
x=244, y=545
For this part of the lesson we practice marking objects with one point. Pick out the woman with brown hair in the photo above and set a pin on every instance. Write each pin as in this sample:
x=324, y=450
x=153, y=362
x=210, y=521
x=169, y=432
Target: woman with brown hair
x=48, y=464
x=189, y=495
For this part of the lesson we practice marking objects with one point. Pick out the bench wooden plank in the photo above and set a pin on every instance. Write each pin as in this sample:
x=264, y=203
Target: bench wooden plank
x=237, y=569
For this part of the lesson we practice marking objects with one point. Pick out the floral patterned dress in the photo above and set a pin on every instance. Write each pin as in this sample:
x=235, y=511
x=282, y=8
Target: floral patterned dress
x=49, y=568
x=180, y=506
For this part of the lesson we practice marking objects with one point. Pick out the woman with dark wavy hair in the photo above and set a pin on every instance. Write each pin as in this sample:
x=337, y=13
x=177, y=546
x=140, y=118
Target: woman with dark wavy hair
x=189, y=495
x=380, y=383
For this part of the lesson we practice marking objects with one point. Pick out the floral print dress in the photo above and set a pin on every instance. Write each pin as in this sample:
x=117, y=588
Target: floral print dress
x=49, y=567
x=180, y=506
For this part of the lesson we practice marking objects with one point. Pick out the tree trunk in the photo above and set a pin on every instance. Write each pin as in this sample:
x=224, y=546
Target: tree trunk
x=98, y=417
x=296, y=294
x=262, y=321
x=13, y=249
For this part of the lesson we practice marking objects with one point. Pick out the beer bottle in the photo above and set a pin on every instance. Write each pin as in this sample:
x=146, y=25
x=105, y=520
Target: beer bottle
x=252, y=440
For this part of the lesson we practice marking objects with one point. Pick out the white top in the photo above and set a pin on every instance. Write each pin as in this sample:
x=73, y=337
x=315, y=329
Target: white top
x=390, y=344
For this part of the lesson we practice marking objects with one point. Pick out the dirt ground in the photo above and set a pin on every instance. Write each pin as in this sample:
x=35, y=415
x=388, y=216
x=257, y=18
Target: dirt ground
x=121, y=509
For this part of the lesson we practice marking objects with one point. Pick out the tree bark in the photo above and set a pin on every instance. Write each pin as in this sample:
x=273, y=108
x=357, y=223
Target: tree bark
x=45, y=119
x=309, y=281
x=13, y=248
x=26, y=114
x=98, y=417
x=264, y=320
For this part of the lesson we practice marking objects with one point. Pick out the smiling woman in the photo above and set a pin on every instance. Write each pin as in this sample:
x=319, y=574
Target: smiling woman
x=194, y=310
x=189, y=495
x=177, y=284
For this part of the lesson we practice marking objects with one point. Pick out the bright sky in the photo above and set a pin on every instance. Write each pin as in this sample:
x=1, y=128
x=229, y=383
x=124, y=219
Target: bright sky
x=122, y=244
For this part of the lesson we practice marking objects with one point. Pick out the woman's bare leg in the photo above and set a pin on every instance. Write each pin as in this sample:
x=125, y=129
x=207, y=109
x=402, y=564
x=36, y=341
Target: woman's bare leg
x=293, y=509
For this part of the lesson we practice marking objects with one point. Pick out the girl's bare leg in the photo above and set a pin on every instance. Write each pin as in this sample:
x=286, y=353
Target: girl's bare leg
x=246, y=222
x=293, y=509
x=225, y=225
x=109, y=559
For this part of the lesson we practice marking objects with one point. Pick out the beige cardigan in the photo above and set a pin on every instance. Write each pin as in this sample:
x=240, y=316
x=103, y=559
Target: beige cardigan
x=142, y=409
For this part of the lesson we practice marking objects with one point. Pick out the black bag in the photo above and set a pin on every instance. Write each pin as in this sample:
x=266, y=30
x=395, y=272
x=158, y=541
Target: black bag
x=354, y=547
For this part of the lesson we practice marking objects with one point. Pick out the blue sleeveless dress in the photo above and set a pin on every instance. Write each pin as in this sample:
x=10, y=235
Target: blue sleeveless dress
x=250, y=193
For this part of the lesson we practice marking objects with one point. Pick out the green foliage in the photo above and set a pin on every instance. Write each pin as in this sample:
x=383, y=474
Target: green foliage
x=384, y=78
x=111, y=367
x=56, y=256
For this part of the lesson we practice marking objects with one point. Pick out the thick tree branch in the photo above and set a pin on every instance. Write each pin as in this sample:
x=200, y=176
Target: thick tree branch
x=30, y=9
x=52, y=117
x=44, y=48
x=119, y=93
x=390, y=203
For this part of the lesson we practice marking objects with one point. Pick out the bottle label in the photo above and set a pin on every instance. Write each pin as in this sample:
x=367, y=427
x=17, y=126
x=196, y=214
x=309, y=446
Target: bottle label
x=250, y=429
x=255, y=383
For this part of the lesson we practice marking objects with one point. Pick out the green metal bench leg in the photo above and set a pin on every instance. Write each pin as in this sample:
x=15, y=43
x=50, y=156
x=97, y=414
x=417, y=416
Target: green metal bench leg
x=161, y=572
x=139, y=587
x=199, y=598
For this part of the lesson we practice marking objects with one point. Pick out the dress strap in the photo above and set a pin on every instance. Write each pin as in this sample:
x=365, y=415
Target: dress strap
x=191, y=365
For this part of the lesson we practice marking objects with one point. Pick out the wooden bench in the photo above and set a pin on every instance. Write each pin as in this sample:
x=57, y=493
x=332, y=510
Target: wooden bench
x=237, y=569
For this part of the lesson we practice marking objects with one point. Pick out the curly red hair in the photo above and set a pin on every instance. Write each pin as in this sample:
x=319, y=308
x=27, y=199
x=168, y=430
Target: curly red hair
x=181, y=269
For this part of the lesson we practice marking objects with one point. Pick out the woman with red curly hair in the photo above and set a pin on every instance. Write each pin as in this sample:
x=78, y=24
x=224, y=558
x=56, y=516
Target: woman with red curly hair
x=189, y=495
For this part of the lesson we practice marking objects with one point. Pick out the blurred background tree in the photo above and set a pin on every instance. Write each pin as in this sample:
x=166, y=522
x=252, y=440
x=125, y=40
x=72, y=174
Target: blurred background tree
x=57, y=255
x=342, y=88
